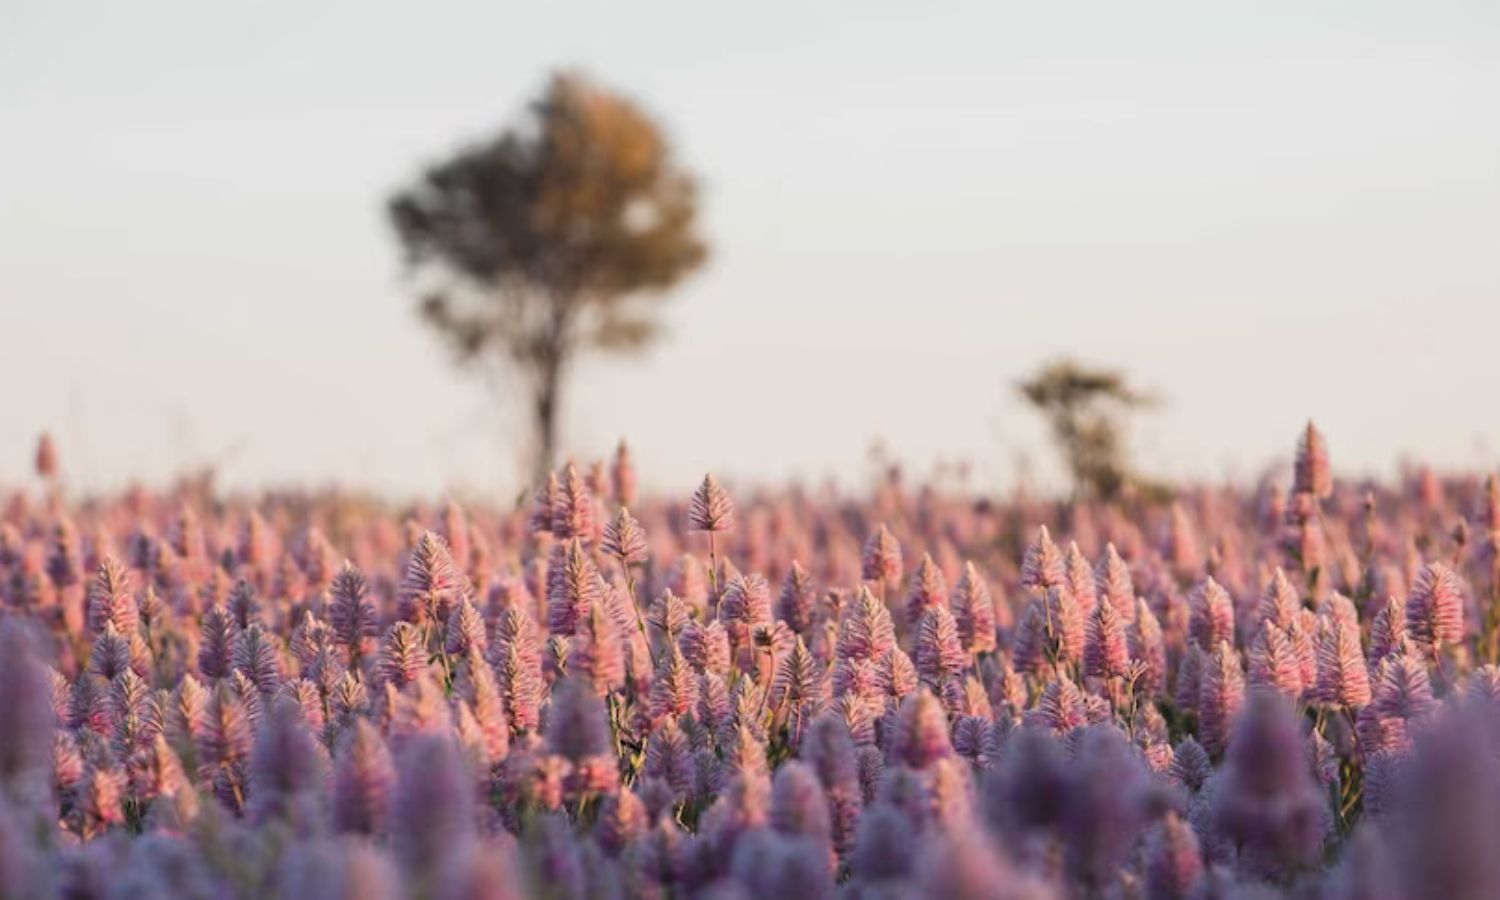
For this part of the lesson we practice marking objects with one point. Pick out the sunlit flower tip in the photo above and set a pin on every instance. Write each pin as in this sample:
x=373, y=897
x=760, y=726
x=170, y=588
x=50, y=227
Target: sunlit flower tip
x=940, y=653
x=46, y=456
x=921, y=735
x=351, y=614
x=928, y=589
x=543, y=502
x=573, y=589
x=974, y=611
x=1043, y=566
x=796, y=604
x=1211, y=614
x=1221, y=691
x=1343, y=678
x=1113, y=581
x=596, y=653
x=706, y=646
x=880, y=561
x=1148, y=647
x=1106, y=652
x=711, y=510
x=465, y=630
x=669, y=759
x=624, y=538
x=674, y=688
x=573, y=507
x=1079, y=577
x=1312, y=474
x=1273, y=664
x=746, y=599
x=1435, y=607
x=402, y=655
x=109, y=601
x=1279, y=602
x=866, y=630
x=622, y=475
x=432, y=583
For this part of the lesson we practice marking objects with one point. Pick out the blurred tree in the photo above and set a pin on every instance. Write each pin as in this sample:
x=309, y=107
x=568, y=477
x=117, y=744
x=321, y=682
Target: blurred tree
x=550, y=239
x=1084, y=409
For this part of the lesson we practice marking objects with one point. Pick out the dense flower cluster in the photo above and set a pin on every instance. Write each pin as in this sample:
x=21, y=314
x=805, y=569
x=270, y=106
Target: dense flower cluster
x=916, y=694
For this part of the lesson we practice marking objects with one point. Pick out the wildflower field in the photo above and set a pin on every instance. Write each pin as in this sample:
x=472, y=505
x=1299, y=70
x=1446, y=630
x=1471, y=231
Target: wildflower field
x=1284, y=689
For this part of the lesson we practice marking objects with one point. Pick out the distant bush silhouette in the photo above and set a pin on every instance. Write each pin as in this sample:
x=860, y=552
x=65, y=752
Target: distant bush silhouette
x=1084, y=409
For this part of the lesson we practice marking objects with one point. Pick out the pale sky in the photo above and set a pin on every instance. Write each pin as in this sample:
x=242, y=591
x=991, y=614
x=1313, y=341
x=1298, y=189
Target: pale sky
x=1262, y=211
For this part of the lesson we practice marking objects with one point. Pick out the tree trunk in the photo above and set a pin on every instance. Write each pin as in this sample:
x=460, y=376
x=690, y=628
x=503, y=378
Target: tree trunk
x=551, y=365
x=544, y=423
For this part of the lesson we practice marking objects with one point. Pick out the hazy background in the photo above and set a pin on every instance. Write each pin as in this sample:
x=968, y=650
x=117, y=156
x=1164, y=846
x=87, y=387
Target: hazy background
x=1265, y=215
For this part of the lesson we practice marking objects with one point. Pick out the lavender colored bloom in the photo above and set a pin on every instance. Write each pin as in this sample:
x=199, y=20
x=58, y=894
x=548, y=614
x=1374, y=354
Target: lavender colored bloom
x=1435, y=608
x=1212, y=615
x=773, y=866
x=622, y=475
x=1343, y=679
x=596, y=654
x=1106, y=652
x=669, y=759
x=974, y=611
x=26, y=713
x=928, y=589
x=573, y=507
x=432, y=584
x=1107, y=801
x=880, y=562
x=1311, y=474
x=921, y=731
x=964, y=864
x=1174, y=863
x=1279, y=602
x=1221, y=691
x=711, y=509
x=940, y=652
x=1274, y=664
x=1043, y=566
x=883, y=847
x=625, y=539
x=796, y=604
x=1113, y=582
x=746, y=599
x=350, y=612
x=1388, y=632
x=433, y=802
x=543, y=502
x=866, y=630
x=109, y=600
x=1079, y=578
x=364, y=776
x=573, y=591
x=1268, y=804
x=1444, y=814
x=286, y=771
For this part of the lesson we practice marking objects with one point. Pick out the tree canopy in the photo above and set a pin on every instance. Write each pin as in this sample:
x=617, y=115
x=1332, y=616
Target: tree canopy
x=551, y=238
